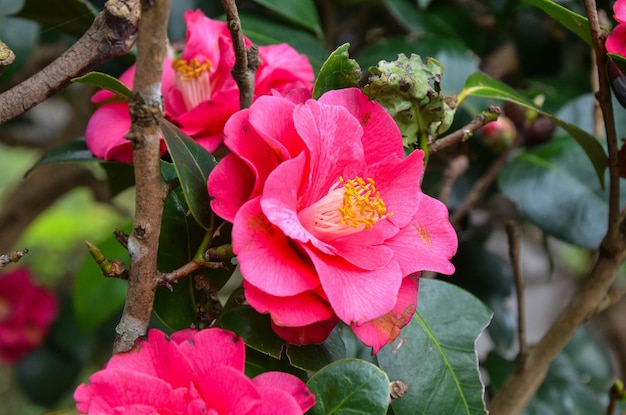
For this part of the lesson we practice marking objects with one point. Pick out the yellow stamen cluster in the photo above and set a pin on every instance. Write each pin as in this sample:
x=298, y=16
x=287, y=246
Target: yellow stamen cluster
x=192, y=69
x=362, y=204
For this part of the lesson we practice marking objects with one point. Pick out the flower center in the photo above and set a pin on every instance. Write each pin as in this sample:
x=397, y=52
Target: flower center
x=193, y=81
x=349, y=207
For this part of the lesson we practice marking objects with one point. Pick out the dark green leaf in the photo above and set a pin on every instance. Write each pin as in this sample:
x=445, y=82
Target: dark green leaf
x=75, y=151
x=120, y=176
x=254, y=328
x=68, y=16
x=315, y=356
x=435, y=356
x=553, y=186
x=481, y=85
x=180, y=236
x=350, y=386
x=301, y=12
x=193, y=165
x=339, y=71
x=578, y=24
x=96, y=298
x=104, y=81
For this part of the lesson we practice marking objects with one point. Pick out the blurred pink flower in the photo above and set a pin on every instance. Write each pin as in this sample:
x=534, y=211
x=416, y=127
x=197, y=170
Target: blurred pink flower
x=191, y=373
x=616, y=41
x=199, y=91
x=26, y=312
x=329, y=222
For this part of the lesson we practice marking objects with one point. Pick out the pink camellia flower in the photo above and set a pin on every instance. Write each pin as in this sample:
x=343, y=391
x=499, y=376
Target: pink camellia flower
x=191, y=373
x=329, y=222
x=26, y=312
x=616, y=41
x=199, y=91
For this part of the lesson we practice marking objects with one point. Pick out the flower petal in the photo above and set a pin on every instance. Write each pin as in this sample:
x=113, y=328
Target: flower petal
x=315, y=333
x=616, y=41
x=267, y=259
x=384, y=330
x=106, y=130
x=228, y=391
x=282, y=68
x=227, y=199
x=210, y=348
x=288, y=383
x=619, y=11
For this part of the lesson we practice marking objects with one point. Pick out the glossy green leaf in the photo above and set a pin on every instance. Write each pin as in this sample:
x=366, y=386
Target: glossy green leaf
x=103, y=81
x=96, y=298
x=75, y=151
x=301, y=12
x=435, y=354
x=72, y=17
x=180, y=236
x=350, y=386
x=576, y=23
x=481, y=85
x=554, y=186
x=193, y=165
x=315, y=356
x=339, y=71
x=254, y=328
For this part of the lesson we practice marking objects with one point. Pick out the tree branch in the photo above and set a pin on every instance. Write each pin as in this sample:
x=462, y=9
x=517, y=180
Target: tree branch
x=520, y=387
x=463, y=134
x=112, y=34
x=246, y=60
x=146, y=110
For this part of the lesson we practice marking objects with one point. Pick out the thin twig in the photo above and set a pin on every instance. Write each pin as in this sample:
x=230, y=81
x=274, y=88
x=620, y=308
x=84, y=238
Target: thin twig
x=246, y=61
x=146, y=111
x=167, y=278
x=112, y=34
x=455, y=169
x=13, y=256
x=513, y=234
x=464, y=133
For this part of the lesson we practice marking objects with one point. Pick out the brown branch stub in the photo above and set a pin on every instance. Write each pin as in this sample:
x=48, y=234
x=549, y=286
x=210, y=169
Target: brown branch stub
x=13, y=256
x=464, y=134
x=146, y=109
x=513, y=234
x=246, y=60
x=112, y=34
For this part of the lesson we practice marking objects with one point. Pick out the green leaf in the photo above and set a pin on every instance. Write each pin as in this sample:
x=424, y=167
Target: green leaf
x=350, y=386
x=338, y=72
x=73, y=17
x=301, y=12
x=481, y=85
x=75, y=151
x=435, y=356
x=104, y=81
x=553, y=186
x=180, y=236
x=193, y=165
x=315, y=356
x=577, y=24
x=254, y=328
x=96, y=298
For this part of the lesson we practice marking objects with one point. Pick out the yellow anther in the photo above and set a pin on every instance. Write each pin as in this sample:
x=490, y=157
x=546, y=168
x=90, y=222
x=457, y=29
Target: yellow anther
x=362, y=204
x=192, y=69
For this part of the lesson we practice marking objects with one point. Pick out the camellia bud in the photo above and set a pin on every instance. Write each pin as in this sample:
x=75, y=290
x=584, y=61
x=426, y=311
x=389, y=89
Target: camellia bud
x=539, y=132
x=499, y=135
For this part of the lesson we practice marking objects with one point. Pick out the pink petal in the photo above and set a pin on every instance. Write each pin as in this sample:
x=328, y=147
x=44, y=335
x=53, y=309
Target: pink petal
x=616, y=41
x=203, y=35
x=315, y=333
x=288, y=383
x=228, y=391
x=283, y=69
x=619, y=11
x=298, y=310
x=210, y=348
x=227, y=198
x=428, y=242
x=384, y=330
x=276, y=402
x=333, y=136
x=272, y=118
x=357, y=295
x=363, y=255
x=106, y=130
x=381, y=136
x=267, y=259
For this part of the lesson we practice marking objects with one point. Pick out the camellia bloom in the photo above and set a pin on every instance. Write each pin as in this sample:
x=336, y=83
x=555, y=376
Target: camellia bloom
x=191, y=373
x=199, y=91
x=26, y=312
x=616, y=41
x=329, y=222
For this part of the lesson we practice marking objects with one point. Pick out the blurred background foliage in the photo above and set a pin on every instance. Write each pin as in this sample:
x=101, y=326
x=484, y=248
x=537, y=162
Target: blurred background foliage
x=547, y=186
